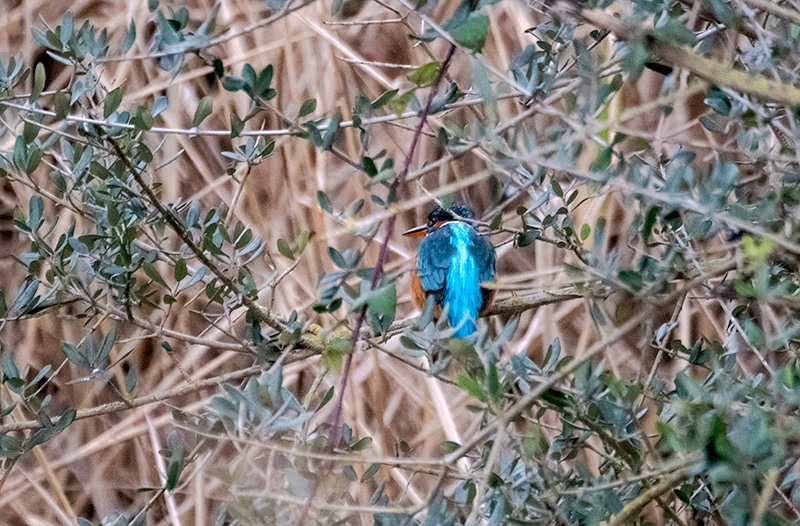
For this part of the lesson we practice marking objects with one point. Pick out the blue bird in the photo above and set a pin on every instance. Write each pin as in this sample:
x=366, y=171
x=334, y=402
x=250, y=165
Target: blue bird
x=453, y=261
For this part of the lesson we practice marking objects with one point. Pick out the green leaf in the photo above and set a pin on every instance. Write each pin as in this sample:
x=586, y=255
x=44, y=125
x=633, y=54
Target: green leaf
x=726, y=14
x=131, y=381
x=631, y=278
x=302, y=241
x=638, y=144
x=649, y=222
x=603, y=160
x=267, y=149
x=585, y=231
x=34, y=158
x=557, y=188
x=719, y=447
x=369, y=166
x=74, y=355
x=242, y=236
x=383, y=300
x=718, y=100
x=425, y=74
x=232, y=83
x=65, y=419
x=673, y=31
x=54, y=41
x=448, y=446
x=20, y=155
x=219, y=67
x=261, y=87
x=181, y=270
x=370, y=472
x=337, y=258
x=105, y=347
x=361, y=445
x=384, y=99
x=173, y=474
x=284, y=249
x=143, y=119
x=67, y=26
x=61, y=104
x=324, y=201
x=130, y=38
x=113, y=214
x=349, y=473
x=237, y=125
x=331, y=132
x=471, y=386
x=249, y=77
x=472, y=32
x=30, y=131
x=35, y=213
x=203, y=110
x=160, y=106
x=152, y=273
x=399, y=103
x=38, y=82
x=492, y=381
x=635, y=59
x=325, y=399
x=308, y=107
x=112, y=102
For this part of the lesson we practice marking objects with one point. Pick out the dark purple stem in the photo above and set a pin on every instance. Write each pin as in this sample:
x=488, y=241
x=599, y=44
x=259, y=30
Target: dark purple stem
x=335, y=435
x=378, y=273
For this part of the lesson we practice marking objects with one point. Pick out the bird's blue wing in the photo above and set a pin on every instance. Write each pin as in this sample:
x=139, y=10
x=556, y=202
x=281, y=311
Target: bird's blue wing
x=485, y=261
x=433, y=262
x=483, y=252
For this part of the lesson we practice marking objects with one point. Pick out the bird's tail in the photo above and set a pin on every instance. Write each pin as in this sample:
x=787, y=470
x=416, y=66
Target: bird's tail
x=465, y=324
x=463, y=309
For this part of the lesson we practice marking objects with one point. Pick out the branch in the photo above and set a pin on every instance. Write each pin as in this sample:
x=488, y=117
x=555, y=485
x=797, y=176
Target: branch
x=193, y=132
x=520, y=304
x=632, y=508
x=773, y=8
x=681, y=57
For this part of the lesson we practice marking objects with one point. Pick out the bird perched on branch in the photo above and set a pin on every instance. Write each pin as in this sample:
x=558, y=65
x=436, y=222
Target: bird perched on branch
x=454, y=260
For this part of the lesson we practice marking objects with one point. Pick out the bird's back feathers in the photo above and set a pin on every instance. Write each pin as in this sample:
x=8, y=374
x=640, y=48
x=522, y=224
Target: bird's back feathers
x=452, y=263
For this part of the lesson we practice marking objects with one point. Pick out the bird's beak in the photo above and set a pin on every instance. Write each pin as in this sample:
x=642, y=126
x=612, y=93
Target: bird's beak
x=417, y=231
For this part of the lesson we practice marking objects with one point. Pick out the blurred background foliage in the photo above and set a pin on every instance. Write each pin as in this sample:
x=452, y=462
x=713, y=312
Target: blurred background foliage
x=206, y=311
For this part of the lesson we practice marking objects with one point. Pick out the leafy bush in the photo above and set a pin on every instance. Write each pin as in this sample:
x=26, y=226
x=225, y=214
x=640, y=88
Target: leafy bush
x=207, y=314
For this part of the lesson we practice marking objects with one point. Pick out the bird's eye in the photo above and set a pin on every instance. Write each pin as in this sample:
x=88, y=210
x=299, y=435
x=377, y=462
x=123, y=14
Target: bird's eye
x=431, y=222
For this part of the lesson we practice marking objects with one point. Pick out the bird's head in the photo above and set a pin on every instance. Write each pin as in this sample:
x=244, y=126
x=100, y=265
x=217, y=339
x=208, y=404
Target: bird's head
x=440, y=216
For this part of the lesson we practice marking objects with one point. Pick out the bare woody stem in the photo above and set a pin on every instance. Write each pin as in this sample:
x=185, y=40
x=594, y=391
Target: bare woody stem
x=390, y=224
x=333, y=439
x=632, y=509
x=710, y=70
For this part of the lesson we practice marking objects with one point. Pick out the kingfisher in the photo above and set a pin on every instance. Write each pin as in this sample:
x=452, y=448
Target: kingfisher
x=453, y=261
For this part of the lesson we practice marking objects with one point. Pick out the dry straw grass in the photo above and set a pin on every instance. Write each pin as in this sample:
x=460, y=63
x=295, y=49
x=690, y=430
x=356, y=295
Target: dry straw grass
x=96, y=466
